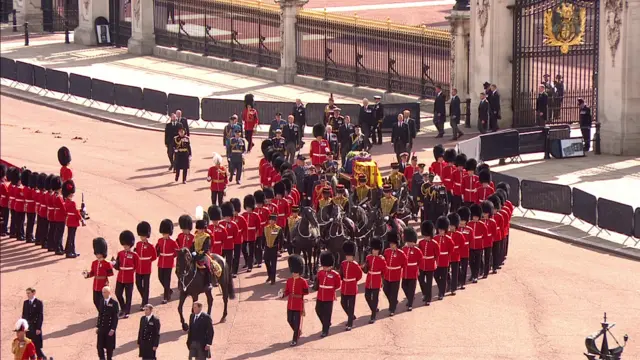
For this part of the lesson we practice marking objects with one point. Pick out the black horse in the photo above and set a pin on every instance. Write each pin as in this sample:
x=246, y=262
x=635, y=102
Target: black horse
x=407, y=209
x=382, y=225
x=335, y=229
x=191, y=282
x=305, y=239
x=359, y=216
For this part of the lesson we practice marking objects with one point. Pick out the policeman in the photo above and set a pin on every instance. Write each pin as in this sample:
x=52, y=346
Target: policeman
x=148, y=334
x=585, y=124
x=238, y=148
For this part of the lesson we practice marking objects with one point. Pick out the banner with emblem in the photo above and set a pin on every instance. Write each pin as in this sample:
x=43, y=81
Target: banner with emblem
x=370, y=170
x=564, y=26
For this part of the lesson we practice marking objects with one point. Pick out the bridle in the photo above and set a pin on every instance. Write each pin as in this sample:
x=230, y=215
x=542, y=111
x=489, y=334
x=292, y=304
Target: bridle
x=181, y=278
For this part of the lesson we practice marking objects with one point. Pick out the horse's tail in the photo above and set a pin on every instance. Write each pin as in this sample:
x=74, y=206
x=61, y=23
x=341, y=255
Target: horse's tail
x=229, y=279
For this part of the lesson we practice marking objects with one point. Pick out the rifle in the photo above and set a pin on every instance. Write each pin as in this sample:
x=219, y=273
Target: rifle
x=83, y=209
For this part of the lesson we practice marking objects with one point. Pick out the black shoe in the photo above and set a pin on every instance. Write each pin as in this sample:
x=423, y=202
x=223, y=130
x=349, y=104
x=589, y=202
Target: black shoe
x=126, y=316
x=259, y=265
x=20, y=238
x=248, y=270
x=234, y=276
x=494, y=272
x=474, y=280
x=30, y=241
x=120, y=314
x=462, y=287
x=348, y=328
x=460, y=135
x=439, y=136
x=440, y=297
x=323, y=334
x=244, y=266
x=453, y=293
x=141, y=308
x=170, y=167
x=409, y=308
x=371, y=321
x=273, y=282
x=238, y=182
x=163, y=301
x=391, y=313
x=59, y=252
x=428, y=303
x=293, y=343
x=485, y=276
x=268, y=280
x=184, y=181
x=71, y=256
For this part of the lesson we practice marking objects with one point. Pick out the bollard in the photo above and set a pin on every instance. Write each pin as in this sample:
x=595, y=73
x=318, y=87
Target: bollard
x=26, y=34
x=596, y=140
x=15, y=21
x=547, y=143
x=66, y=32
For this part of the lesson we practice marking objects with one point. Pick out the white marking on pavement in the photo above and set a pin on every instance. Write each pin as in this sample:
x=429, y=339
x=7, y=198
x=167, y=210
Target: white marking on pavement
x=387, y=6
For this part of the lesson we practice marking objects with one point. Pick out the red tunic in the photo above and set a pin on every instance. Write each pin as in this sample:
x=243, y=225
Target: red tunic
x=218, y=237
x=128, y=261
x=497, y=217
x=264, y=214
x=469, y=188
x=458, y=175
x=408, y=174
x=414, y=258
x=318, y=153
x=483, y=192
x=296, y=195
x=251, y=119
x=437, y=167
x=4, y=194
x=506, y=215
x=167, y=250
x=51, y=208
x=29, y=201
x=328, y=282
x=492, y=232
x=100, y=272
x=242, y=229
x=351, y=274
x=252, y=220
x=42, y=200
x=66, y=174
x=36, y=200
x=396, y=262
x=147, y=254
x=430, y=251
x=28, y=352
x=447, y=176
x=467, y=232
x=219, y=178
x=185, y=240
x=18, y=198
x=73, y=214
x=479, y=230
x=376, y=265
x=446, y=246
x=60, y=213
x=273, y=209
x=458, y=244
x=233, y=233
x=265, y=173
x=284, y=210
x=295, y=290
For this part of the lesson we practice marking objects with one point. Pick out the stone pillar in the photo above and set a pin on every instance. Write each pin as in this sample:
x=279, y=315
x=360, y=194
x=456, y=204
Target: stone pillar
x=85, y=33
x=288, y=41
x=460, y=32
x=619, y=76
x=27, y=11
x=492, y=53
x=142, y=39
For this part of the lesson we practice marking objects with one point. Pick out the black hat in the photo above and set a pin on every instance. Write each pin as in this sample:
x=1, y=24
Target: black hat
x=486, y=84
x=296, y=264
x=326, y=259
x=100, y=246
x=290, y=176
x=64, y=156
x=475, y=210
x=454, y=219
x=504, y=186
x=349, y=248
x=487, y=207
x=392, y=237
x=249, y=202
x=201, y=225
x=450, y=155
x=273, y=216
x=464, y=213
x=267, y=143
x=414, y=158
x=3, y=170
x=386, y=188
x=483, y=166
x=495, y=200
x=13, y=175
x=422, y=165
x=237, y=205
x=202, y=218
x=426, y=228
x=362, y=178
x=580, y=101
x=410, y=234
x=248, y=100
x=285, y=166
x=326, y=190
x=376, y=243
x=48, y=181
x=438, y=151
x=461, y=160
x=502, y=195
x=278, y=161
x=185, y=222
x=258, y=197
x=166, y=227
x=318, y=130
x=471, y=164
x=301, y=158
x=279, y=188
x=127, y=238
x=144, y=228
x=340, y=188
x=33, y=180
x=25, y=175
x=395, y=166
x=215, y=214
x=442, y=223
x=484, y=177
x=288, y=184
x=226, y=209
x=56, y=183
x=68, y=188
x=268, y=193
x=42, y=179
x=295, y=208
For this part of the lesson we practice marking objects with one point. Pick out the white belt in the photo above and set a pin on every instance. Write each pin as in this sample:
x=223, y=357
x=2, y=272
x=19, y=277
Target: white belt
x=444, y=253
x=319, y=155
x=457, y=183
x=326, y=287
x=229, y=237
x=126, y=268
x=11, y=197
x=428, y=257
x=466, y=243
x=478, y=237
x=71, y=214
x=29, y=200
x=167, y=254
x=251, y=228
x=217, y=242
x=281, y=214
x=455, y=247
x=145, y=258
x=489, y=235
x=374, y=272
x=412, y=264
x=394, y=268
x=354, y=279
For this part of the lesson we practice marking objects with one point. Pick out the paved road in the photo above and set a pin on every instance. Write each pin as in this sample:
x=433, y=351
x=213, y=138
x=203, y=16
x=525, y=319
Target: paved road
x=542, y=304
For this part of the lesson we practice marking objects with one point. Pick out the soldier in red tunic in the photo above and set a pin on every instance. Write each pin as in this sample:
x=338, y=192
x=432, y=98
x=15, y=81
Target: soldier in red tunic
x=446, y=249
x=458, y=243
x=185, y=238
x=17, y=205
x=447, y=171
x=503, y=192
x=295, y=290
x=465, y=215
x=250, y=119
x=483, y=187
x=254, y=227
x=469, y=181
x=327, y=282
x=396, y=264
x=375, y=265
x=219, y=178
x=242, y=230
x=430, y=251
x=217, y=232
x=233, y=232
x=30, y=204
x=126, y=263
x=492, y=233
x=73, y=219
x=282, y=206
x=167, y=250
x=351, y=273
x=100, y=271
x=479, y=230
x=456, y=182
x=410, y=170
x=44, y=184
x=319, y=146
x=410, y=274
x=22, y=347
x=4, y=201
x=500, y=219
x=438, y=165
x=147, y=254
x=264, y=213
x=64, y=158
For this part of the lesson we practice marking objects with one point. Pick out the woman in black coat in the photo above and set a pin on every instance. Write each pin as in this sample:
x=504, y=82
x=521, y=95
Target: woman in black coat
x=182, y=150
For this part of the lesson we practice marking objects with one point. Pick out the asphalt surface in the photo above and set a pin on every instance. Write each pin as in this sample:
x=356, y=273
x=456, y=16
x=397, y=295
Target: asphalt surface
x=541, y=305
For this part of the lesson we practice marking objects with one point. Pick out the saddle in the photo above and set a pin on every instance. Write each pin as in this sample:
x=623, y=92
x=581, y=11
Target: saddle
x=216, y=269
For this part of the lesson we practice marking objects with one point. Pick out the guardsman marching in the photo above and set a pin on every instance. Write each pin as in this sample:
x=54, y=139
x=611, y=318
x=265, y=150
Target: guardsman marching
x=292, y=220
x=264, y=213
x=4, y=201
x=273, y=240
x=18, y=206
x=219, y=178
x=242, y=229
x=458, y=244
x=496, y=251
x=362, y=192
x=396, y=179
x=410, y=273
x=341, y=199
x=254, y=227
x=447, y=172
x=147, y=254
x=64, y=158
x=167, y=250
x=325, y=199
x=327, y=282
x=479, y=230
x=389, y=203
x=238, y=148
x=319, y=146
x=292, y=196
x=44, y=184
x=503, y=190
x=410, y=170
x=438, y=165
x=430, y=253
x=233, y=232
x=30, y=204
x=295, y=290
x=281, y=204
x=100, y=271
x=33, y=312
x=351, y=273
x=107, y=324
x=73, y=219
x=469, y=181
x=22, y=347
x=148, y=334
x=465, y=215
x=202, y=242
x=375, y=266
x=483, y=187
x=396, y=264
x=216, y=231
x=456, y=182
x=492, y=233
x=444, y=258
x=126, y=263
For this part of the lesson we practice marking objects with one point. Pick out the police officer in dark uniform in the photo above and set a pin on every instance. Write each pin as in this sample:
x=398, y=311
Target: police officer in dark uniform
x=148, y=334
x=237, y=147
x=558, y=84
x=585, y=124
x=542, y=105
x=378, y=115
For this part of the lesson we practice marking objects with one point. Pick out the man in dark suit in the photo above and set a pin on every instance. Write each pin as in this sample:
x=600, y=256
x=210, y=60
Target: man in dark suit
x=300, y=117
x=366, y=118
x=107, y=325
x=400, y=136
x=542, y=106
x=170, y=132
x=378, y=117
x=439, y=111
x=483, y=113
x=200, y=335
x=494, y=104
x=183, y=121
x=33, y=312
x=585, y=126
x=148, y=334
x=291, y=135
x=454, y=112
x=413, y=128
x=345, y=138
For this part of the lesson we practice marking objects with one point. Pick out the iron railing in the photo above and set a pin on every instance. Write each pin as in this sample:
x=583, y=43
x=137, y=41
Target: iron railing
x=120, y=17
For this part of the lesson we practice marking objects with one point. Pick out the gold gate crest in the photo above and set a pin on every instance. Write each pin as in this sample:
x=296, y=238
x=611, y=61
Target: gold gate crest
x=564, y=26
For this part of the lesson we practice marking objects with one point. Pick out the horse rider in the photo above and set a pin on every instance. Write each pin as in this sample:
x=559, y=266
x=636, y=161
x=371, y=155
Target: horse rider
x=341, y=198
x=396, y=179
x=325, y=199
x=389, y=203
x=292, y=221
x=362, y=191
x=200, y=251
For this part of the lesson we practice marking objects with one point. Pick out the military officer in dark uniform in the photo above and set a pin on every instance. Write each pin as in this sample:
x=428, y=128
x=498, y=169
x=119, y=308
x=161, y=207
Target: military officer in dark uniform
x=341, y=198
x=378, y=116
x=170, y=132
x=148, y=334
x=292, y=138
x=437, y=200
x=182, y=149
x=278, y=142
x=388, y=203
x=310, y=179
x=300, y=117
x=107, y=325
x=237, y=148
x=336, y=120
x=455, y=113
x=494, y=104
x=585, y=124
x=33, y=312
x=558, y=84
x=542, y=105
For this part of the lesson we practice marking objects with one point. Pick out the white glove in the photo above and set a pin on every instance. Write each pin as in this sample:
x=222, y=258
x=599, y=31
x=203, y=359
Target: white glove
x=193, y=254
x=280, y=293
x=208, y=178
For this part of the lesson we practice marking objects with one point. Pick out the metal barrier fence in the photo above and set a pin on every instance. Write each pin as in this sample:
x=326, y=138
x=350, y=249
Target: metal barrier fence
x=398, y=58
x=241, y=30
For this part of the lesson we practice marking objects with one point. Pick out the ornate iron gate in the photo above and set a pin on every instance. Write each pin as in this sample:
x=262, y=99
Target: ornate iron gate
x=58, y=15
x=120, y=20
x=555, y=45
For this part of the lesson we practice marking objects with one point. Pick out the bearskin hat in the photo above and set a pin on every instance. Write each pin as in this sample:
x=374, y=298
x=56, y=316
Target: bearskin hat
x=215, y=214
x=288, y=184
x=144, y=228
x=265, y=145
x=426, y=228
x=487, y=207
x=127, y=238
x=56, y=183
x=285, y=166
x=237, y=206
x=475, y=210
x=277, y=162
x=279, y=188
x=258, y=197
x=318, y=130
x=502, y=195
x=464, y=213
x=484, y=177
x=249, y=202
x=268, y=154
x=454, y=219
x=442, y=223
x=179, y=126
x=471, y=165
x=461, y=160
x=3, y=170
x=438, y=151
x=290, y=176
x=185, y=222
x=495, y=200
x=326, y=259
x=296, y=264
x=450, y=155
x=202, y=218
x=100, y=246
x=68, y=188
x=349, y=248
x=482, y=167
x=505, y=187
x=226, y=209
x=392, y=237
x=33, y=180
x=166, y=227
x=376, y=243
x=64, y=156
x=248, y=100
x=410, y=234
x=268, y=193
x=13, y=175
x=48, y=181
x=42, y=181
x=25, y=176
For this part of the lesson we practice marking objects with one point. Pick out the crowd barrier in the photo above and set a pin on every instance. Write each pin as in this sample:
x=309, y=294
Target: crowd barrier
x=158, y=102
